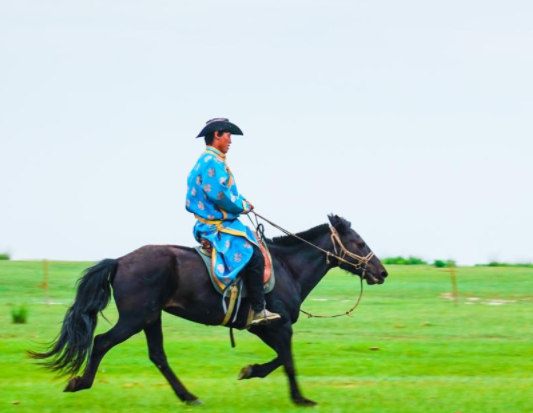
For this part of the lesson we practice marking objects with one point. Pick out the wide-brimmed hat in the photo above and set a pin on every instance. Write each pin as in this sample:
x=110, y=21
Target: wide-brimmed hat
x=220, y=124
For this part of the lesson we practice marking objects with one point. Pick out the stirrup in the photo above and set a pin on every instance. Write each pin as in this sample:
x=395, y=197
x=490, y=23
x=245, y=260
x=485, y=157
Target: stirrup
x=264, y=317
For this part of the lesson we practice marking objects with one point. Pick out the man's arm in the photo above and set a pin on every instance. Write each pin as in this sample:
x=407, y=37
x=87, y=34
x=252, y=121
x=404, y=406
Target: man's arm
x=215, y=180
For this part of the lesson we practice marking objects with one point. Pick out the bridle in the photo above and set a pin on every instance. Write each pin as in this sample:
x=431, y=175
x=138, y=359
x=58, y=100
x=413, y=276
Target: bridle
x=360, y=264
x=343, y=252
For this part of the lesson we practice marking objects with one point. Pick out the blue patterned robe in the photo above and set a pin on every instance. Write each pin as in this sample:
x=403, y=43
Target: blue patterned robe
x=213, y=198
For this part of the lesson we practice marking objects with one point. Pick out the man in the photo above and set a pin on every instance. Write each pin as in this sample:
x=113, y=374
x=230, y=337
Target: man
x=213, y=198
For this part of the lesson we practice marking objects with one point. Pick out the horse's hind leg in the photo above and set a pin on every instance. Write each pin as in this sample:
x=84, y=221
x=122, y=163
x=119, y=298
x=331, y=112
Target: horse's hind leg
x=154, y=336
x=124, y=329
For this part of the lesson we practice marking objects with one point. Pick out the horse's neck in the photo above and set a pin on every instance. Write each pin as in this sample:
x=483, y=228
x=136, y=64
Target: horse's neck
x=308, y=265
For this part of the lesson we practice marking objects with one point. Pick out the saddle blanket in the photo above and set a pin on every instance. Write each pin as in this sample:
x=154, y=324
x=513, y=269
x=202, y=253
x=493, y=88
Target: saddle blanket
x=268, y=276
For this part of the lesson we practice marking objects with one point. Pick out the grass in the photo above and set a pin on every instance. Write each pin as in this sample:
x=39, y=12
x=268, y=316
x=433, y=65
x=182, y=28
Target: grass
x=19, y=315
x=434, y=356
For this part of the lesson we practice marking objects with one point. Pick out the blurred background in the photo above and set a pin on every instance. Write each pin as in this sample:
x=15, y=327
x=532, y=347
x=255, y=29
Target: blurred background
x=411, y=119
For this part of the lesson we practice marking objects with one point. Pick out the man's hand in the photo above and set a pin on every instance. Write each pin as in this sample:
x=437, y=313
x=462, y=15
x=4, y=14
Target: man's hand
x=251, y=206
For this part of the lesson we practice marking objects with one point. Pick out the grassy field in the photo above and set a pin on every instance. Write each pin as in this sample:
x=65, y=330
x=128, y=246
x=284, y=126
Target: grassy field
x=433, y=356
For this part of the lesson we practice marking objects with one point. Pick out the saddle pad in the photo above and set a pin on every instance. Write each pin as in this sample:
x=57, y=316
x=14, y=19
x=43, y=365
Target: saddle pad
x=268, y=276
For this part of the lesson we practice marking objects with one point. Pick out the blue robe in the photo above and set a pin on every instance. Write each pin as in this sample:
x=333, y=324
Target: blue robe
x=213, y=198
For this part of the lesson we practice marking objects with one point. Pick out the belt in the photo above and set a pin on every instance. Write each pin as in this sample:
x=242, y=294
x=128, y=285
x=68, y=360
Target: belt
x=216, y=222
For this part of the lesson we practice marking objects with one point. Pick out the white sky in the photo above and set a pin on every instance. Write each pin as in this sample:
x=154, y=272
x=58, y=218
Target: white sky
x=412, y=119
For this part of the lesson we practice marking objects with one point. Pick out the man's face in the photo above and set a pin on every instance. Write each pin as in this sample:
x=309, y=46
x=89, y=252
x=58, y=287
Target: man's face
x=223, y=141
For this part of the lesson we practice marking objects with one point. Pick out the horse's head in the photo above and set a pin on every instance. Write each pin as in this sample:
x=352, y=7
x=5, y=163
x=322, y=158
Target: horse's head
x=357, y=257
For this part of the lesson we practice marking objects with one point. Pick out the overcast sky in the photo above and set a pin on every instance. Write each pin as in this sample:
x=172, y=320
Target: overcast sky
x=412, y=119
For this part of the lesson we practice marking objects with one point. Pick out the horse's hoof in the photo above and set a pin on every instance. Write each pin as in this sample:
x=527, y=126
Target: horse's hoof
x=195, y=402
x=305, y=402
x=73, y=385
x=245, y=373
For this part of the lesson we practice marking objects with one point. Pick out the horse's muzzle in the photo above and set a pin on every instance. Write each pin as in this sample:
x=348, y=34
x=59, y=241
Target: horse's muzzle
x=372, y=279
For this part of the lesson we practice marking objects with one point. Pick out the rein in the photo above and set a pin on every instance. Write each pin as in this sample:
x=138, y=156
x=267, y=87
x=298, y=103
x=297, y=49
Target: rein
x=343, y=252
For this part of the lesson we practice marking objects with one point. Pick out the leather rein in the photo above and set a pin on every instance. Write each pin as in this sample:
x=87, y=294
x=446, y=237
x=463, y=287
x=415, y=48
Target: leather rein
x=361, y=262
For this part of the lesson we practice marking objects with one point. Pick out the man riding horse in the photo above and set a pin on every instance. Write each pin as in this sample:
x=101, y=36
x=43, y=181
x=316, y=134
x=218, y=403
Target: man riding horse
x=213, y=198
x=174, y=279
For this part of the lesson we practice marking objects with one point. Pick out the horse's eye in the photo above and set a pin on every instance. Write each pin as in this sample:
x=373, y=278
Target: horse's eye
x=360, y=245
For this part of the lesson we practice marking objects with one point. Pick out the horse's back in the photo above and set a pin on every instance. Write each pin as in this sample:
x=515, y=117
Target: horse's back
x=165, y=277
x=147, y=273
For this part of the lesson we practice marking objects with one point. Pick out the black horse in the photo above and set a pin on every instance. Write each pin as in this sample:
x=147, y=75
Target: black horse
x=174, y=279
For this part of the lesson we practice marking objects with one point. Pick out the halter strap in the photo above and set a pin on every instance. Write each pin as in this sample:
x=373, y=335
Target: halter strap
x=335, y=239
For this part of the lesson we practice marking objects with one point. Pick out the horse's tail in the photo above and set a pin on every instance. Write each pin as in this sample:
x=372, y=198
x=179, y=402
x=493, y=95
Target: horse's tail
x=69, y=351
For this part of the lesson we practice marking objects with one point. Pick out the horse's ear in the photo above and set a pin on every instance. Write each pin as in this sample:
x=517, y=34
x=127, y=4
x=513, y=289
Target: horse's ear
x=334, y=220
x=339, y=222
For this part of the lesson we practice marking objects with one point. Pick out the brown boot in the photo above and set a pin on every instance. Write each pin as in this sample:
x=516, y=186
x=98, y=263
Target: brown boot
x=264, y=317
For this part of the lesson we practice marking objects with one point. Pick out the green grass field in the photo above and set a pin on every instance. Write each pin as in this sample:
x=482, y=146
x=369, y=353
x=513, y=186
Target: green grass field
x=475, y=357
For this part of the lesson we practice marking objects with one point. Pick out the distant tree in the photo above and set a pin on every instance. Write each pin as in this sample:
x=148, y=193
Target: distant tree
x=505, y=264
x=403, y=261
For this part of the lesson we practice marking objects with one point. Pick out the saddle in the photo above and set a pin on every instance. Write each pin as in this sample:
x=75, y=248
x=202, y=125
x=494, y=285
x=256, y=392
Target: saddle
x=237, y=290
x=268, y=275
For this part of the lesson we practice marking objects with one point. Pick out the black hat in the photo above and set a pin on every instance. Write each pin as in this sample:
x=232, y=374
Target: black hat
x=219, y=124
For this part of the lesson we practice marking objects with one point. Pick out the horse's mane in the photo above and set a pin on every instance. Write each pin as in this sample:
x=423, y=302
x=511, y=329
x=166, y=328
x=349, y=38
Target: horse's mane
x=288, y=241
x=308, y=235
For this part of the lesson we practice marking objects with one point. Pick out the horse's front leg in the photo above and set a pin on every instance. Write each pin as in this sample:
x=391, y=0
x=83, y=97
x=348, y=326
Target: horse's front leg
x=259, y=370
x=290, y=370
x=279, y=339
